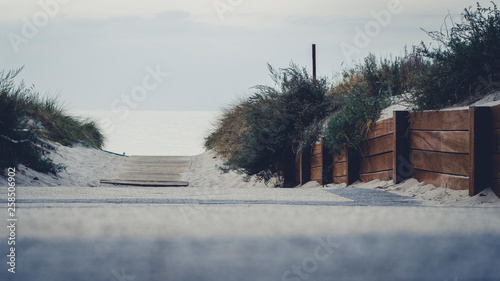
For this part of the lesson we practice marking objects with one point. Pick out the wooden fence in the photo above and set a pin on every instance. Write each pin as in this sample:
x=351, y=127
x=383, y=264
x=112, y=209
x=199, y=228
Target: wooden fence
x=457, y=149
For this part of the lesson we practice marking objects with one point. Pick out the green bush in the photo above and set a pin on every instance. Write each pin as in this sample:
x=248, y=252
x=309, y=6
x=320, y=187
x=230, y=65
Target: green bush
x=466, y=65
x=271, y=125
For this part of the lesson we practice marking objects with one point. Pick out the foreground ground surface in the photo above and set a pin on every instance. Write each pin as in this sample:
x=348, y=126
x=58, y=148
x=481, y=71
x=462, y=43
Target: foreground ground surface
x=223, y=228
x=218, y=233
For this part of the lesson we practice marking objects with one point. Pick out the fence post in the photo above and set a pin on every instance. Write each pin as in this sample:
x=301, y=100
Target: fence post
x=401, y=166
x=353, y=162
x=480, y=143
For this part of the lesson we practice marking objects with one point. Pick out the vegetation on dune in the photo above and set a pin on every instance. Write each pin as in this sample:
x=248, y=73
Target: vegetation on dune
x=466, y=64
x=364, y=92
x=260, y=136
x=26, y=116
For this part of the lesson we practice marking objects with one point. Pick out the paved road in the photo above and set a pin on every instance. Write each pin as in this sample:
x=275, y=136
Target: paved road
x=188, y=233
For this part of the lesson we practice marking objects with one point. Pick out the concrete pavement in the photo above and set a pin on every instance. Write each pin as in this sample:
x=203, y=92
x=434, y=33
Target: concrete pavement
x=187, y=233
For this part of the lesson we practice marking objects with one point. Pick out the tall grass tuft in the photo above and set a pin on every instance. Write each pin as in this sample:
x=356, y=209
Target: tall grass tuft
x=26, y=115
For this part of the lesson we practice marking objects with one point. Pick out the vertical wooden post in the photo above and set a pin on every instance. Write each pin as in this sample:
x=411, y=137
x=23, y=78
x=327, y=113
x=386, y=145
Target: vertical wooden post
x=305, y=160
x=353, y=162
x=298, y=168
x=480, y=143
x=314, y=60
x=327, y=165
x=401, y=166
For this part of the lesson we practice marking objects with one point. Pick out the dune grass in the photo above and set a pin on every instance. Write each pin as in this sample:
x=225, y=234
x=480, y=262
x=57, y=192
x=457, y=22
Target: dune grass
x=26, y=116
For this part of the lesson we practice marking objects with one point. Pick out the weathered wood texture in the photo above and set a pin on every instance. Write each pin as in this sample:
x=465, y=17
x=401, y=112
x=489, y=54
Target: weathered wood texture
x=377, y=163
x=440, y=148
x=442, y=180
x=340, y=165
x=380, y=128
x=376, y=159
x=457, y=149
x=444, y=141
x=317, y=163
x=383, y=176
x=456, y=120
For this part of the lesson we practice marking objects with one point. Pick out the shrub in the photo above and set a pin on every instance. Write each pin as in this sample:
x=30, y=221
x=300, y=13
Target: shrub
x=262, y=134
x=466, y=65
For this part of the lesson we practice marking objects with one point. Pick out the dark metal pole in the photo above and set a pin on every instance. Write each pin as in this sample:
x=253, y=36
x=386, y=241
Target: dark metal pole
x=314, y=61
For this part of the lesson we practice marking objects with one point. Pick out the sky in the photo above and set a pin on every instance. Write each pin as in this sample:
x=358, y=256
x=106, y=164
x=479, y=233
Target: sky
x=197, y=54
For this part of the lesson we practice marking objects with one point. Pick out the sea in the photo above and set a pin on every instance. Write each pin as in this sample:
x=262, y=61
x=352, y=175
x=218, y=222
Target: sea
x=153, y=133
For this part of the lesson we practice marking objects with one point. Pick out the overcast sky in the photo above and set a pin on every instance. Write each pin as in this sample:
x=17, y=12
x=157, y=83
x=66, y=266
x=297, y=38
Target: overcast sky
x=110, y=54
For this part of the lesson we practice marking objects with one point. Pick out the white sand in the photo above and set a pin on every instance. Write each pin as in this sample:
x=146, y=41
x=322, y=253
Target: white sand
x=83, y=167
x=432, y=195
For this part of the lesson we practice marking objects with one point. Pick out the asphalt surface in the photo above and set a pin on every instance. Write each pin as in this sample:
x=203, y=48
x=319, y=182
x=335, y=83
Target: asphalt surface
x=136, y=233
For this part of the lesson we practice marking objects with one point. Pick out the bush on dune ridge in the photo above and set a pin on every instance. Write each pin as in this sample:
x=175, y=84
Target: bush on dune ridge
x=257, y=137
x=466, y=64
x=261, y=135
x=25, y=115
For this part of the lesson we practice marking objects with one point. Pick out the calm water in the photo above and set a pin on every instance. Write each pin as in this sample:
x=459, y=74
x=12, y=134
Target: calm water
x=154, y=132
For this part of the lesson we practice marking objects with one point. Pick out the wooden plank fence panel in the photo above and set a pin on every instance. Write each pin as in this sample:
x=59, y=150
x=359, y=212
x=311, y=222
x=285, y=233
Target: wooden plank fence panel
x=380, y=128
x=446, y=141
x=377, y=146
x=316, y=161
x=317, y=149
x=456, y=120
x=442, y=180
x=340, y=158
x=382, y=162
x=340, y=179
x=448, y=163
x=340, y=169
x=383, y=176
x=317, y=175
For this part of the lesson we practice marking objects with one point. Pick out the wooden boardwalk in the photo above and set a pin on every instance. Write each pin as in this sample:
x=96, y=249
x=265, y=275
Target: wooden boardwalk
x=157, y=171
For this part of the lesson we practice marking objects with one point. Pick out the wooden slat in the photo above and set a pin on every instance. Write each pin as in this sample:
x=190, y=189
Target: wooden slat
x=145, y=183
x=317, y=149
x=376, y=163
x=440, y=141
x=380, y=128
x=377, y=146
x=316, y=161
x=340, y=180
x=340, y=169
x=340, y=157
x=452, y=120
x=495, y=166
x=316, y=174
x=448, y=163
x=442, y=180
x=383, y=176
x=495, y=116
x=495, y=186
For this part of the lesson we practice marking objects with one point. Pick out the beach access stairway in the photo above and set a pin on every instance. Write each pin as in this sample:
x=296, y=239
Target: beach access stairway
x=155, y=171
